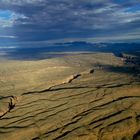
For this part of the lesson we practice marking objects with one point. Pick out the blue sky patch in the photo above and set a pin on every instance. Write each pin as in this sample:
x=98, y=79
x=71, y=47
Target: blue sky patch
x=5, y=14
x=135, y=8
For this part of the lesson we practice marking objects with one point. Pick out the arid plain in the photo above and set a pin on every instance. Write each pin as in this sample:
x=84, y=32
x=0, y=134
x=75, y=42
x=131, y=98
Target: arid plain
x=76, y=97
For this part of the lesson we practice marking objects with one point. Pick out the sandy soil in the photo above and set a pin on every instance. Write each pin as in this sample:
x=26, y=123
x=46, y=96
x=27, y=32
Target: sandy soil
x=77, y=97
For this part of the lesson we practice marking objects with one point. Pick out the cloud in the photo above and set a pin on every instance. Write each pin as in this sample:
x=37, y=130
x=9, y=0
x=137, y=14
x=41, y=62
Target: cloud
x=8, y=36
x=20, y=2
x=39, y=20
x=8, y=18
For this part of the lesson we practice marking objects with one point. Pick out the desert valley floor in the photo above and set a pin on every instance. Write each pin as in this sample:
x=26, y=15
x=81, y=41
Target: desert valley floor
x=75, y=97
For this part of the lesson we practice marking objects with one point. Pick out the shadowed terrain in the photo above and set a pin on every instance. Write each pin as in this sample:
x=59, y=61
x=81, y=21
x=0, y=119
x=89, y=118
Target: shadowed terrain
x=83, y=97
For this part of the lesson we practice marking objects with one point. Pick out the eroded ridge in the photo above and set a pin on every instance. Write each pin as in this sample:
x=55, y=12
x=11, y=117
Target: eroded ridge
x=68, y=80
x=74, y=111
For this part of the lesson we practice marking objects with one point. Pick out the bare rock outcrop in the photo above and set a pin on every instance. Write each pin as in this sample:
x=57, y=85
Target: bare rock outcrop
x=7, y=104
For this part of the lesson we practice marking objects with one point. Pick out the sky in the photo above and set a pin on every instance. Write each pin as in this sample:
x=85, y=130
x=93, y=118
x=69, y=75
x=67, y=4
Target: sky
x=39, y=21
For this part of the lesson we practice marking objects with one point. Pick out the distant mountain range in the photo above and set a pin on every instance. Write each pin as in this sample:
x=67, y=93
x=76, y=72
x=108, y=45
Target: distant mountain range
x=37, y=50
x=109, y=47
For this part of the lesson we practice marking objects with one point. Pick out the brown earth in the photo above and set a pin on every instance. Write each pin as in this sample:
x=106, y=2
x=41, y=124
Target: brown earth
x=77, y=97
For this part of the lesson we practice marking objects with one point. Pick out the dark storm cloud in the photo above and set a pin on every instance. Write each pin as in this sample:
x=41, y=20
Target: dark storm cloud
x=39, y=20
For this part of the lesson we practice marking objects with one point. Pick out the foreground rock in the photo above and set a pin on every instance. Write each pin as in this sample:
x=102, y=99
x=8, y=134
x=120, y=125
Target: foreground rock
x=7, y=104
x=88, y=104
